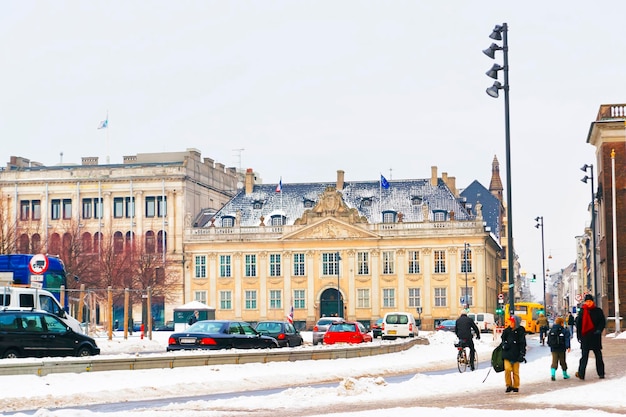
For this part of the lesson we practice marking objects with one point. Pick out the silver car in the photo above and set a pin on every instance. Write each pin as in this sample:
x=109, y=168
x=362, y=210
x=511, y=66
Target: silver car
x=321, y=326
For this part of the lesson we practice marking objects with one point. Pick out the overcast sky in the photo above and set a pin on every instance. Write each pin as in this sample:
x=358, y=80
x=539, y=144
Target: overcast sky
x=299, y=90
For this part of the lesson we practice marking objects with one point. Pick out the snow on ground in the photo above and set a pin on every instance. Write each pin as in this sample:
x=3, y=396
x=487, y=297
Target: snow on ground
x=356, y=386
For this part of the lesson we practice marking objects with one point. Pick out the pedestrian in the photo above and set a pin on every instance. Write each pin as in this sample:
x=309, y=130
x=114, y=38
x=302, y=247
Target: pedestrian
x=544, y=326
x=463, y=330
x=589, y=326
x=513, y=352
x=570, y=324
x=559, y=342
x=194, y=317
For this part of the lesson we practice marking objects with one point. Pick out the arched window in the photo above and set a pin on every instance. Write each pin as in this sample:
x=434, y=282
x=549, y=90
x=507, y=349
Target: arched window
x=35, y=243
x=54, y=248
x=67, y=244
x=97, y=240
x=130, y=242
x=87, y=243
x=118, y=242
x=161, y=242
x=150, y=243
x=23, y=244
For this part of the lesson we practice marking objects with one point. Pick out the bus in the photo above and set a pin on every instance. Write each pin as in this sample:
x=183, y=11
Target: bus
x=529, y=313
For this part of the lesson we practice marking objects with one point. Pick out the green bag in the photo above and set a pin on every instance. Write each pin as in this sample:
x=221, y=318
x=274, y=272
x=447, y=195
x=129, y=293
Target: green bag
x=497, y=362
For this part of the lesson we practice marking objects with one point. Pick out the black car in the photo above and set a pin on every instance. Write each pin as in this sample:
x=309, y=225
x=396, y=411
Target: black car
x=167, y=327
x=35, y=333
x=219, y=334
x=284, y=332
x=377, y=328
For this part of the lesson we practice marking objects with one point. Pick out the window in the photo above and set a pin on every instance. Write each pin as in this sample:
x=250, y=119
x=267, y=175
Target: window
x=275, y=299
x=150, y=242
x=25, y=210
x=200, y=296
x=415, y=298
x=97, y=202
x=67, y=208
x=466, y=261
x=388, y=262
x=363, y=263
x=36, y=209
x=389, y=217
x=118, y=242
x=275, y=265
x=150, y=206
x=162, y=206
x=416, y=201
x=224, y=266
x=257, y=205
x=366, y=202
x=228, y=222
x=309, y=203
x=363, y=298
x=389, y=297
x=440, y=261
x=130, y=206
x=251, y=265
x=55, y=210
x=414, y=262
x=200, y=262
x=226, y=300
x=469, y=297
x=439, y=215
x=87, y=208
x=330, y=263
x=440, y=297
x=299, y=299
x=278, y=220
x=298, y=265
x=250, y=301
x=118, y=207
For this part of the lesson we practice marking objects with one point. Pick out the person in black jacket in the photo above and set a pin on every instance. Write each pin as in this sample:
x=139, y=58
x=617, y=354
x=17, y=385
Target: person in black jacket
x=513, y=352
x=589, y=326
x=463, y=330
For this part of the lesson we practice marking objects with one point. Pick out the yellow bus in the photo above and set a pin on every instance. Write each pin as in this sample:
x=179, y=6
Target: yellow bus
x=528, y=312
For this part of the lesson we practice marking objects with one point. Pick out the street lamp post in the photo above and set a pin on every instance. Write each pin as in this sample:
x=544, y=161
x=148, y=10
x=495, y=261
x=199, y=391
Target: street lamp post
x=339, y=312
x=539, y=224
x=593, y=232
x=466, y=248
x=500, y=32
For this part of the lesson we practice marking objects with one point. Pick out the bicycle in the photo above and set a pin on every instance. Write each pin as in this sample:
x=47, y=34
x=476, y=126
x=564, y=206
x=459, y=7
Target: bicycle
x=462, y=356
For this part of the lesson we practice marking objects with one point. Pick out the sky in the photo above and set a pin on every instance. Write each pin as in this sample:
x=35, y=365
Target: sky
x=299, y=90
x=357, y=384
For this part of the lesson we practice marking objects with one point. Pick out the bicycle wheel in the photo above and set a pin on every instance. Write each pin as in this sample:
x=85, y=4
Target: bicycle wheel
x=475, y=360
x=461, y=360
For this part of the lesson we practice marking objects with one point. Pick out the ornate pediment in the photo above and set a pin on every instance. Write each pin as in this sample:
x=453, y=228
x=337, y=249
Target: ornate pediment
x=330, y=229
x=331, y=204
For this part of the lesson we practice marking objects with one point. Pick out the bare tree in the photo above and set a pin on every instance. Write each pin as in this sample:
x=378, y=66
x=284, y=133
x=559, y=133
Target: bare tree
x=7, y=229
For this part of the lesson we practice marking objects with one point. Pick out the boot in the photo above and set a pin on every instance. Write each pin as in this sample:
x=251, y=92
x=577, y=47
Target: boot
x=553, y=374
x=565, y=375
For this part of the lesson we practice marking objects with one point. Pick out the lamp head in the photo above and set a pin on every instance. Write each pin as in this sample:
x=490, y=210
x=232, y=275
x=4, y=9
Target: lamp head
x=497, y=33
x=491, y=51
x=537, y=226
x=493, y=90
x=493, y=71
x=584, y=179
x=584, y=167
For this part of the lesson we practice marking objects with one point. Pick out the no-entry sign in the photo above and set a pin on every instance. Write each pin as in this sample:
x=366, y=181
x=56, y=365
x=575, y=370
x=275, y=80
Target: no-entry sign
x=38, y=264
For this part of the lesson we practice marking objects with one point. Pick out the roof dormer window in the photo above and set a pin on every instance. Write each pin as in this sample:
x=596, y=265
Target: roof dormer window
x=228, y=221
x=440, y=215
x=257, y=205
x=366, y=202
x=389, y=216
x=417, y=201
x=308, y=203
x=278, y=220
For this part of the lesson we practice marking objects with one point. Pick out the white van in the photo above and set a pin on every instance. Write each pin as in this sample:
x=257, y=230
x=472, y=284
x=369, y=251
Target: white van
x=23, y=298
x=485, y=321
x=398, y=324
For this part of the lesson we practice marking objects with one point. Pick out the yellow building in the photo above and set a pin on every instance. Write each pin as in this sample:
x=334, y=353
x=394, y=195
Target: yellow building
x=353, y=249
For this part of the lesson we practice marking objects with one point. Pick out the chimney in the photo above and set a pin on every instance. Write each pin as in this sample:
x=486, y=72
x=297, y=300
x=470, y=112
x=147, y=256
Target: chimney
x=249, y=184
x=340, y=176
x=452, y=185
x=433, y=176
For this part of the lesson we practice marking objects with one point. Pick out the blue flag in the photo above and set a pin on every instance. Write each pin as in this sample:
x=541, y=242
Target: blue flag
x=104, y=124
x=383, y=182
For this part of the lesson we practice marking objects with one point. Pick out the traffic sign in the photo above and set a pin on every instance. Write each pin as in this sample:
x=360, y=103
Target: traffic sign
x=500, y=296
x=579, y=297
x=38, y=264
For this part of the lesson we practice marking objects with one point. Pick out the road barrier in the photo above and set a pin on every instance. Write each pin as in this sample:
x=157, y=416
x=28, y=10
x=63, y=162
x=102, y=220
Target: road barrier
x=48, y=366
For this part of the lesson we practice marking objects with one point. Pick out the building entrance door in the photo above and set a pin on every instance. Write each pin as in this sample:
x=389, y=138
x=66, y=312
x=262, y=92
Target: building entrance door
x=331, y=303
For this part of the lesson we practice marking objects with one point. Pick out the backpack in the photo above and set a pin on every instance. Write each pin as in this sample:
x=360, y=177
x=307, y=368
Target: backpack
x=497, y=361
x=556, y=338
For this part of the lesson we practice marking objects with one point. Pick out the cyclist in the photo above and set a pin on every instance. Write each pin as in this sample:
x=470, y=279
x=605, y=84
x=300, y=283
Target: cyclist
x=463, y=330
x=544, y=326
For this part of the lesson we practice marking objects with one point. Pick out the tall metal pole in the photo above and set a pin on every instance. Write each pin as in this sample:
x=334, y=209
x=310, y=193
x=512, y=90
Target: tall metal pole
x=543, y=261
x=593, y=240
x=339, y=312
x=465, y=247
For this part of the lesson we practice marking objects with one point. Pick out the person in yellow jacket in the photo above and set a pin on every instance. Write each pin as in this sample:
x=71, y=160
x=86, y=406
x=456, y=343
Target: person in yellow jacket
x=544, y=326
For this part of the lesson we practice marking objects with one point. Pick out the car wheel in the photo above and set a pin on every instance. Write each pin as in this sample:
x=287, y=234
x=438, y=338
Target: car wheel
x=84, y=351
x=11, y=354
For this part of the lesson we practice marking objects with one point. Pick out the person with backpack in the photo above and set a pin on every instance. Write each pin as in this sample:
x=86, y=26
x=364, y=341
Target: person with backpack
x=513, y=352
x=559, y=342
x=590, y=324
x=544, y=326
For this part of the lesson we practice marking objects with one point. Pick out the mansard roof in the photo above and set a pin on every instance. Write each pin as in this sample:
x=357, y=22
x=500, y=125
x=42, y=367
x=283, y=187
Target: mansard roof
x=491, y=209
x=363, y=200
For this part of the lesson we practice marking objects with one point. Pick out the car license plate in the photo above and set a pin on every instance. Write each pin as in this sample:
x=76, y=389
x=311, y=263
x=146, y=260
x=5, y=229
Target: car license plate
x=187, y=340
x=392, y=332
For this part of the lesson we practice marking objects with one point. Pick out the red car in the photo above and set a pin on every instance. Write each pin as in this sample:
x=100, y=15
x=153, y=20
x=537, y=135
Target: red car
x=346, y=332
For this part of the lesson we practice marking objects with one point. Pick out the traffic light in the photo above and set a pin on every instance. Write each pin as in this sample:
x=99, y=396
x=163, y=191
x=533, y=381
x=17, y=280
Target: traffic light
x=499, y=311
x=541, y=312
x=534, y=278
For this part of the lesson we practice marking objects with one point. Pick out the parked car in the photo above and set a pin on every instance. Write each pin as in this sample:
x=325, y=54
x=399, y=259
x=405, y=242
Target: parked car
x=377, y=328
x=36, y=333
x=346, y=332
x=486, y=322
x=447, y=325
x=321, y=326
x=219, y=334
x=284, y=332
x=167, y=327
x=398, y=324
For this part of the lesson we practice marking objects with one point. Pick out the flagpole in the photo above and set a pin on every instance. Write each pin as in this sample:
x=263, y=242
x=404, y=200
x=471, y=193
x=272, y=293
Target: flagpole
x=108, y=144
x=380, y=194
